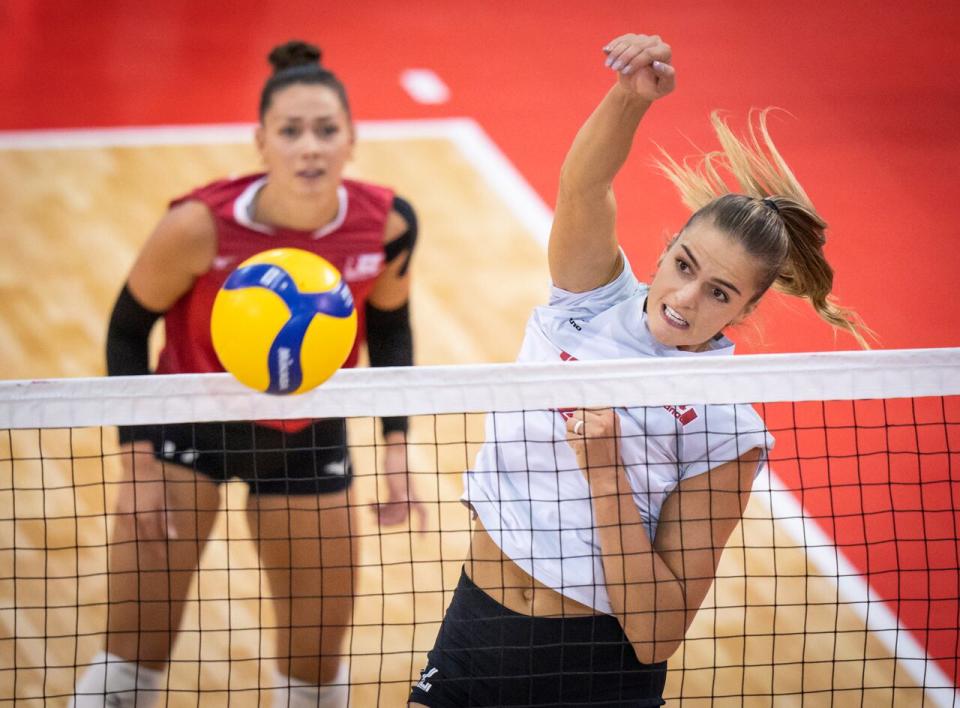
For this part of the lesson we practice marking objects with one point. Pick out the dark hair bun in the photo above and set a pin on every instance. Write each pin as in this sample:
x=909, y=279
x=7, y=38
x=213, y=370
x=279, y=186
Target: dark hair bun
x=294, y=53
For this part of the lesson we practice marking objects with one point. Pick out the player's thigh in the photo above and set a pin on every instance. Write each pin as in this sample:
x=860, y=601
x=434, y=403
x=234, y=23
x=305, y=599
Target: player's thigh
x=305, y=542
x=191, y=504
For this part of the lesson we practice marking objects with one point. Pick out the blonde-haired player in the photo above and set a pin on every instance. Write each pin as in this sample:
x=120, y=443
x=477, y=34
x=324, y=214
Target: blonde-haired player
x=598, y=532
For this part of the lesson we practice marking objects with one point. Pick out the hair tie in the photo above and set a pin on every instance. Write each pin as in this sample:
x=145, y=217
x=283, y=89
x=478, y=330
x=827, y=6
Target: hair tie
x=771, y=204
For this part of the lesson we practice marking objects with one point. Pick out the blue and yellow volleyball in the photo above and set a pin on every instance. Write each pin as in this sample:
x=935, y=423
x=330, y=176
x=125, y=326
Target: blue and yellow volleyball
x=284, y=321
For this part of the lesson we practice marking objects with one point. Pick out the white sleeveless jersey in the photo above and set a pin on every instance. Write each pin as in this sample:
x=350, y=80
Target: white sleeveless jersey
x=526, y=485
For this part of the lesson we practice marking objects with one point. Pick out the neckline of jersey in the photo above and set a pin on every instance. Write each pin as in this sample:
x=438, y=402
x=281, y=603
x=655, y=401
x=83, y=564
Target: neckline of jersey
x=243, y=212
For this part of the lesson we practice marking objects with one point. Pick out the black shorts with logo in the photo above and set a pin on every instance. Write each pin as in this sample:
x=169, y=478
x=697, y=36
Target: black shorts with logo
x=488, y=655
x=314, y=460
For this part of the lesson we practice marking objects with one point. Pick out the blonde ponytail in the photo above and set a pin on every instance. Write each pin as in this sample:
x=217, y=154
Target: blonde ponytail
x=766, y=209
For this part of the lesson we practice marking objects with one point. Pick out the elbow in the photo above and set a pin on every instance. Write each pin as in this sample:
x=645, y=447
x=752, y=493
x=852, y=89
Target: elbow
x=654, y=652
x=653, y=644
x=663, y=651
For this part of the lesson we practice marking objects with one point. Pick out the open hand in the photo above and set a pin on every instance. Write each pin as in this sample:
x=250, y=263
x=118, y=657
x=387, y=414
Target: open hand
x=402, y=501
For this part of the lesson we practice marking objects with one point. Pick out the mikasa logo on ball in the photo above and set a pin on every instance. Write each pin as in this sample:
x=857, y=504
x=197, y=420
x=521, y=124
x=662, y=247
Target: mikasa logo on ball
x=344, y=292
x=271, y=275
x=284, y=360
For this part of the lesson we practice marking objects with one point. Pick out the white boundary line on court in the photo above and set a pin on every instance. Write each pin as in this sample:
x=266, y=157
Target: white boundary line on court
x=527, y=206
x=474, y=144
x=854, y=591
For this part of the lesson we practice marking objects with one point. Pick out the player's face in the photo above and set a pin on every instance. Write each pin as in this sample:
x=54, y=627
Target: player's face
x=705, y=282
x=306, y=139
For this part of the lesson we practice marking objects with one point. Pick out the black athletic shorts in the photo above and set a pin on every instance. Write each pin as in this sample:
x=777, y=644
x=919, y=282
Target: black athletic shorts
x=488, y=655
x=314, y=460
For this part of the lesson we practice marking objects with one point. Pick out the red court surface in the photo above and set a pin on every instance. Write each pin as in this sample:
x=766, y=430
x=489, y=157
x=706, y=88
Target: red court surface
x=873, y=100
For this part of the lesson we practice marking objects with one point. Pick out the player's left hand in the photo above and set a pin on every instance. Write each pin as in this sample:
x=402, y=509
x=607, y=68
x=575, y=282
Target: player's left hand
x=593, y=434
x=402, y=501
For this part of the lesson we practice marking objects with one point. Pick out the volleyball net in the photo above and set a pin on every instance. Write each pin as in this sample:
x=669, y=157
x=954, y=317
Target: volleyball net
x=842, y=583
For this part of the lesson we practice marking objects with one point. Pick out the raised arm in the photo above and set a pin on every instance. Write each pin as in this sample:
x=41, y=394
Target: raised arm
x=583, y=252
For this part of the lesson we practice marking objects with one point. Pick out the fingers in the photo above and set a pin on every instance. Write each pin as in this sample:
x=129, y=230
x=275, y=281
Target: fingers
x=620, y=50
x=389, y=513
x=420, y=510
x=396, y=512
x=148, y=500
x=592, y=423
x=666, y=76
x=643, y=63
x=150, y=513
x=576, y=424
x=151, y=525
x=629, y=53
x=171, y=527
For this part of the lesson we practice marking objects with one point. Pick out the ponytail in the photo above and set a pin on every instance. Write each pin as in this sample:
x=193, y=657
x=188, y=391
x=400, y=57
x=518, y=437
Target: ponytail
x=770, y=215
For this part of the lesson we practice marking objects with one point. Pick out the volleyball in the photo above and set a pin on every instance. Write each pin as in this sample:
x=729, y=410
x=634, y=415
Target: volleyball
x=284, y=321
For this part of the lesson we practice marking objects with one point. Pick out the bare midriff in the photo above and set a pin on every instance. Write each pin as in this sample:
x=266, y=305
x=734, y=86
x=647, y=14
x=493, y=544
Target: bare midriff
x=510, y=585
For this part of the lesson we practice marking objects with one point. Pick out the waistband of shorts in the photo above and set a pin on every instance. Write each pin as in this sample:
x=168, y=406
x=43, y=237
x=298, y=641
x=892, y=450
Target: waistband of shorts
x=496, y=609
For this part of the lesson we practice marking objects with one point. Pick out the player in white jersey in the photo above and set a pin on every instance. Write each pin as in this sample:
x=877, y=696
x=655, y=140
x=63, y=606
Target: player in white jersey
x=598, y=533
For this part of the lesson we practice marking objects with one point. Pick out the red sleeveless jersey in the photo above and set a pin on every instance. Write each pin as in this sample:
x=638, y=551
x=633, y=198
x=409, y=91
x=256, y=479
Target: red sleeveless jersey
x=353, y=242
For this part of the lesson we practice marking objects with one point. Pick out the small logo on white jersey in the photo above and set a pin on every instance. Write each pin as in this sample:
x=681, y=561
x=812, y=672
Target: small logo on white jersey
x=685, y=414
x=567, y=413
x=223, y=262
x=423, y=684
x=575, y=325
x=361, y=267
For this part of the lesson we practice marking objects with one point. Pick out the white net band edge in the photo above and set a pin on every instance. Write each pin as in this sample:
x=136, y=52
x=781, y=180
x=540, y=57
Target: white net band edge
x=856, y=375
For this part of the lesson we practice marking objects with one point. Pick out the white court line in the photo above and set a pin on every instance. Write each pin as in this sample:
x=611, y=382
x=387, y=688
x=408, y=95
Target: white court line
x=475, y=145
x=89, y=138
x=854, y=591
x=527, y=206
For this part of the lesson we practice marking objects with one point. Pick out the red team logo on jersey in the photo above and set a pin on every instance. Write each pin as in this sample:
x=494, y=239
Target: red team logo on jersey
x=685, y=414
x=567, y=413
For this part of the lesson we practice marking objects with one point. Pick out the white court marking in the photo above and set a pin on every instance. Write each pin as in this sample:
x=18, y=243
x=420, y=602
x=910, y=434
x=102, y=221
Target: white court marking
x=424, y=86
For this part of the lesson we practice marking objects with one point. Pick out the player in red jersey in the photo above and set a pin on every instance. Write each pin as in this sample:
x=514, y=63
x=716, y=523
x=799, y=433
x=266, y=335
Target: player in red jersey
x=298, y=471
